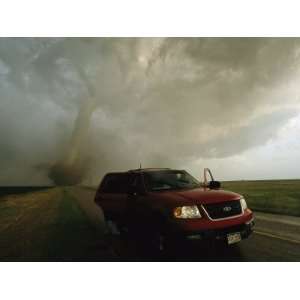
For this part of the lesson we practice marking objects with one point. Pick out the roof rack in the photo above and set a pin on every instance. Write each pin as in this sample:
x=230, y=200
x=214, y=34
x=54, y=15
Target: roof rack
x=148, y=169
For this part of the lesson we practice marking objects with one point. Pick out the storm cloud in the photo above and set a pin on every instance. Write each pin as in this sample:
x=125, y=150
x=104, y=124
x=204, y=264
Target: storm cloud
x=111, y=103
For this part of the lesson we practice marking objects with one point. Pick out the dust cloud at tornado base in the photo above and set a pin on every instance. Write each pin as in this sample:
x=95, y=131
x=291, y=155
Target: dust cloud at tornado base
x=73, y=109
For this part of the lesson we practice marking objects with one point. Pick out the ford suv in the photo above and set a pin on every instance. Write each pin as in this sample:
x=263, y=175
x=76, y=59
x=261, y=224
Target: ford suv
x=164, y=206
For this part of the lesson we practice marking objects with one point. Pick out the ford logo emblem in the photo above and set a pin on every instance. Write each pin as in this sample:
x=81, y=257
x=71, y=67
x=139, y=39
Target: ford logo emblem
x=227, y=208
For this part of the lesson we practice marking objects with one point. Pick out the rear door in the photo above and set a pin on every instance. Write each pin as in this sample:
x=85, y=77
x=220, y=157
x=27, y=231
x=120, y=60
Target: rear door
x=113, y=194
x=139, y=211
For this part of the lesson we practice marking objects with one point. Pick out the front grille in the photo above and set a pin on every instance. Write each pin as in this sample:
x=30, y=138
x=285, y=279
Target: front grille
x=223, y=209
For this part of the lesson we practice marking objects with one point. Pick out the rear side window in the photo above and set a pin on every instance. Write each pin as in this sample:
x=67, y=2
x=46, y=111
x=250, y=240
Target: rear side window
x=115, y=183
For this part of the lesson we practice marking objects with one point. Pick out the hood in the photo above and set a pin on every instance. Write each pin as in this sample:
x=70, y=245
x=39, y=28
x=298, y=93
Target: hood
x=196, y=196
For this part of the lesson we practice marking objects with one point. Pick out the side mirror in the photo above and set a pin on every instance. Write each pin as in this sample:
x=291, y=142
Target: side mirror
x=214, y=185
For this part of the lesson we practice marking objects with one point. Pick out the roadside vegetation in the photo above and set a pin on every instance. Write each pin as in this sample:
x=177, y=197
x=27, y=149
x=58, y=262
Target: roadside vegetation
x=273, y=196
x=47, y=226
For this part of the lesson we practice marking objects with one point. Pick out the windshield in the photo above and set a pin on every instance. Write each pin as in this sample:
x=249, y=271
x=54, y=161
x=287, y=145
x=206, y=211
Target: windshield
x=170, y=180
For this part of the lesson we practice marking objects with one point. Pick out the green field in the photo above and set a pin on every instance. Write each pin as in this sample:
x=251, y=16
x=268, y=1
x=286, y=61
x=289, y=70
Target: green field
x=273, y=196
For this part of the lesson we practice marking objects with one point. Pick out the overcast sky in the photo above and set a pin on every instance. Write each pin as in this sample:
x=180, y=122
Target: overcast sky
x=231, y=104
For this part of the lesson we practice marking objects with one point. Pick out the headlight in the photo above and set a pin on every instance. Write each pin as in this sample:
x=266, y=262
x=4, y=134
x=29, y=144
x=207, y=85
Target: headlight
x=243, y=203
x=187, y=212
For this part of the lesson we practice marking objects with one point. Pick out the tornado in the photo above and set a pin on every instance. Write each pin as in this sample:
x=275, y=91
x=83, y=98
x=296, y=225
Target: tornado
x=72, y=169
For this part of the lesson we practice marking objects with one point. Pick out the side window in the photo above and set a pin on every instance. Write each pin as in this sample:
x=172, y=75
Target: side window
x=115, y=183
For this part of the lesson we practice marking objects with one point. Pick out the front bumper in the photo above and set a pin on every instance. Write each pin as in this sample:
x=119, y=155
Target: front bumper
x=221, y=234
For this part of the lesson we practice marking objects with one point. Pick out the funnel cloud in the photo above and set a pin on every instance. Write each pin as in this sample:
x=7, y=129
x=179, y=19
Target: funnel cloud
x=72, y=109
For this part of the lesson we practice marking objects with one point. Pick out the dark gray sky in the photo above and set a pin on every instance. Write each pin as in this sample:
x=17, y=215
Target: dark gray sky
x=231, y=104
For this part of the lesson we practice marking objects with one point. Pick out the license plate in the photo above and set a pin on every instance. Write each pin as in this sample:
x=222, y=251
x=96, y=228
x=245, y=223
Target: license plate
x=233, y=238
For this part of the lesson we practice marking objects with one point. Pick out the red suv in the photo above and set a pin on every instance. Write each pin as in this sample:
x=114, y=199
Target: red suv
x=165, y=205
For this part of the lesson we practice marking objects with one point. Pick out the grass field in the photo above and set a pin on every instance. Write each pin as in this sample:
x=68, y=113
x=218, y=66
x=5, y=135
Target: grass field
x=47, y=226
x=273, y=196
x=14, y=190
